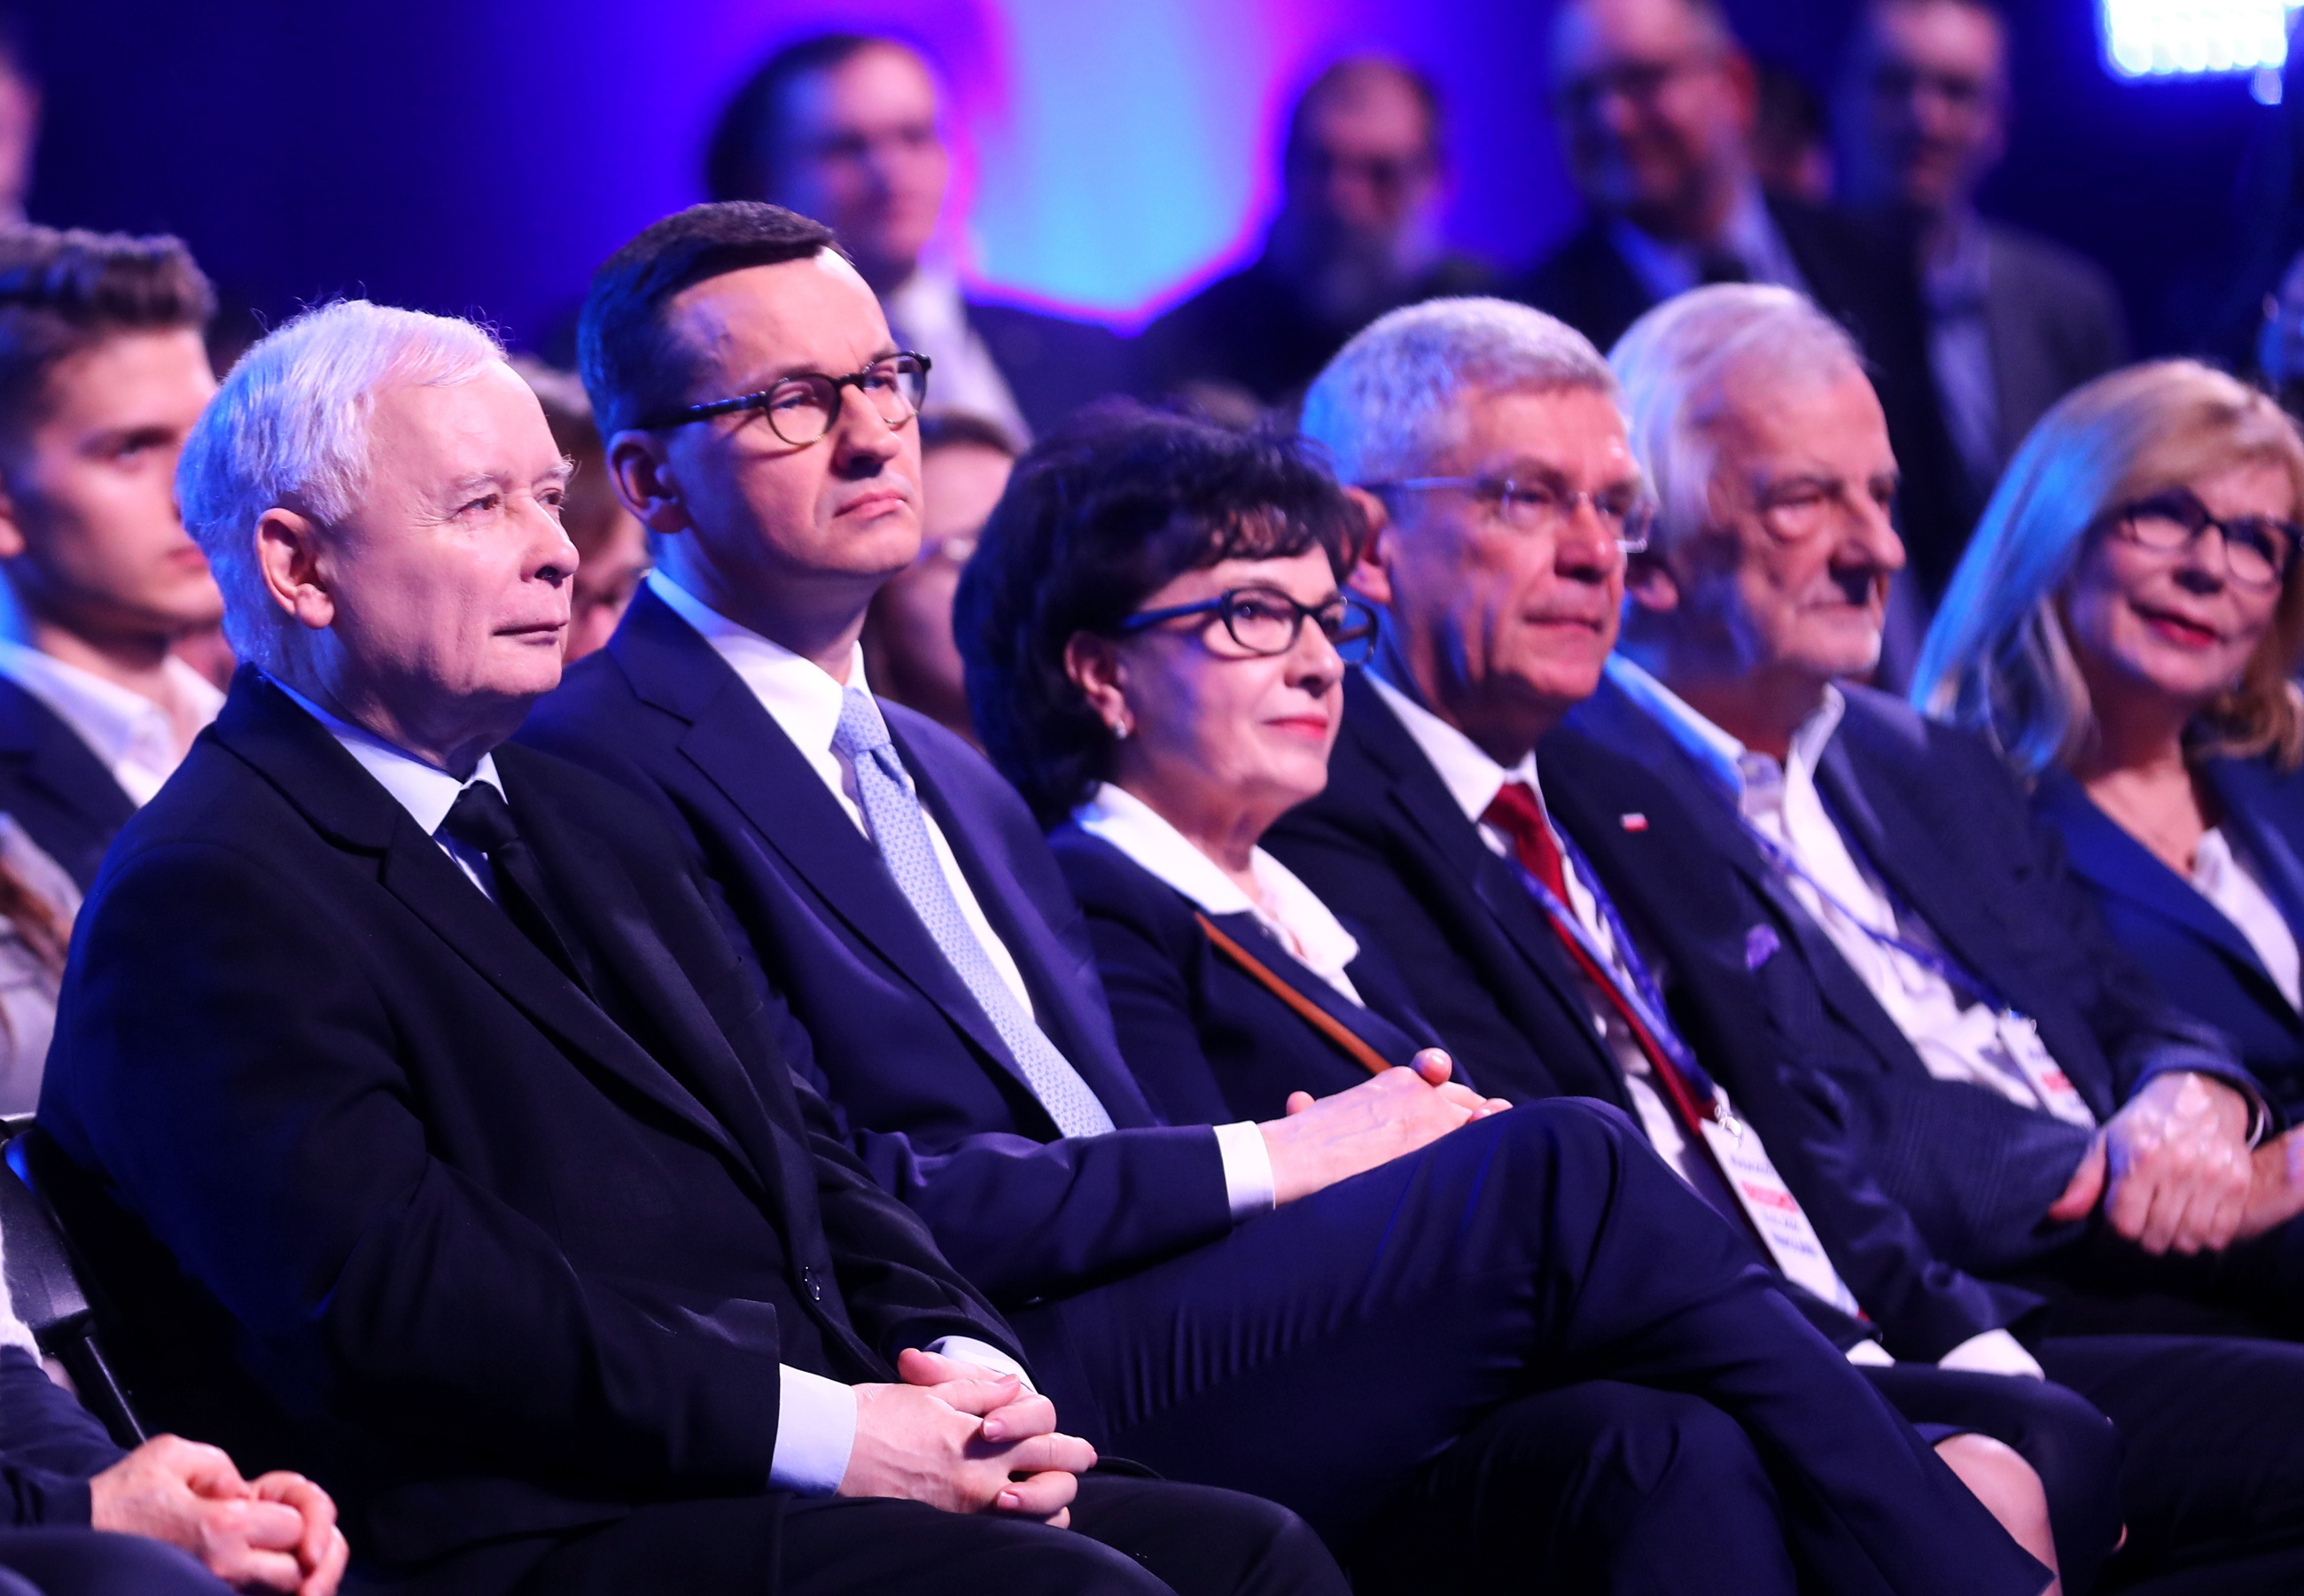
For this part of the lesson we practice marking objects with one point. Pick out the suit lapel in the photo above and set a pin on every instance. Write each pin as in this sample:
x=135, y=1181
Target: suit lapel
x=1420, y=798
x=1365, y=1024
x=54, y=760
x=738, y=745
x=297, y=755
x=2266, y=812
x=2100, y=849
x=1612, y=718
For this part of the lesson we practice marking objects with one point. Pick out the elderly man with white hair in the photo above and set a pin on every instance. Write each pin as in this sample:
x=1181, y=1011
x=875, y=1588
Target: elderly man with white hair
x=1485, y=444
x=1940, y=993
x=427, y=1066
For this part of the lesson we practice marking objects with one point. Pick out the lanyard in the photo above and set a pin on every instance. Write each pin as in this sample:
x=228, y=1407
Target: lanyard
x=1934, y=961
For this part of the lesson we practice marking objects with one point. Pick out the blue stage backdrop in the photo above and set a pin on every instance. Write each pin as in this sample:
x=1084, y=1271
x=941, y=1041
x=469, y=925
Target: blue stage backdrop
x=482, y=156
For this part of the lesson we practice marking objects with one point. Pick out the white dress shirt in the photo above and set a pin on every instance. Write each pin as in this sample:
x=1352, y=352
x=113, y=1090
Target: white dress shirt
x=133, y=737
x=2221, y=874
x=929, y=315
x=1282, y=903
x=1956, y=1037
x=1474, y=780
x=815, y=1420
x=804, y=700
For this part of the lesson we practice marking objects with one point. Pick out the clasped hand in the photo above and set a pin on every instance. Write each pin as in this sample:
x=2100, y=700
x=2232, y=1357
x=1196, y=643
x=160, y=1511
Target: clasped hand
x=962, y=1439
x=1326, y=1139
x=2172, y=1167
x=275, y=1532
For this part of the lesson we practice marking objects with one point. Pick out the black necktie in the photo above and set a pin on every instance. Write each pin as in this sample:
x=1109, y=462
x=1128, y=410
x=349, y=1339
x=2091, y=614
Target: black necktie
x=1716, y=266
x=482, y=820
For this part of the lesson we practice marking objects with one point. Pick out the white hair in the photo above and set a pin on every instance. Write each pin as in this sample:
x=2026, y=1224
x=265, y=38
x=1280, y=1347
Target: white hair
x=1388, y=404
x=1675, y=364
x=288, y=429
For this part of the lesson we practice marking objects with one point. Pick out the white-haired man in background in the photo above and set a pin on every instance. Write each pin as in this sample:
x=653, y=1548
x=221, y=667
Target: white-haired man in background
x=1972, y=1037
x=427, y=1064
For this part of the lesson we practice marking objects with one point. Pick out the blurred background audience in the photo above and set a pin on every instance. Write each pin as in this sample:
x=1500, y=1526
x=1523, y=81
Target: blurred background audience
x=611, y=541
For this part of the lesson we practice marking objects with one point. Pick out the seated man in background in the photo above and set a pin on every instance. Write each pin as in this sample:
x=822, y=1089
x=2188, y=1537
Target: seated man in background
x=1226, y=1304
x=102, y=374
x=1361, y=179
x=908, y=648
x=846, y=128
x=1946, y=998
x=428, y=1066
x=172, y=1518
x=2014, y=321
x=611, y=547
x=1655, y=102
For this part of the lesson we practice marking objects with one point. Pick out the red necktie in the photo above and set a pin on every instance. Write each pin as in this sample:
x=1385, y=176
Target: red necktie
x=1518, y=813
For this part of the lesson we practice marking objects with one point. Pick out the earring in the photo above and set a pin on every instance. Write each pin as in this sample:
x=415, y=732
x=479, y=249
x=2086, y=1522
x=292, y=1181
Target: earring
x=1120, y=731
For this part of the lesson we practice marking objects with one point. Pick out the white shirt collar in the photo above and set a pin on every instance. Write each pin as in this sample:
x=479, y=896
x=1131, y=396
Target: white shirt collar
x=929, y=304
x=1283, y=904
x=424, y=791
x=1735, y=770
x=133, y=736
x=1472, y=778
x=799, y=693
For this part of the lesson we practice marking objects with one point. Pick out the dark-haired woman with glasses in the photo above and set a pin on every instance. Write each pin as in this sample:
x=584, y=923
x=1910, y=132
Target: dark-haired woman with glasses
x=1155, y=642
x=2126, y=625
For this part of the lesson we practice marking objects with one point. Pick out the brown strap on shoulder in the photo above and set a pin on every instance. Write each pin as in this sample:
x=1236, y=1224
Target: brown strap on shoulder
x=1311, y=1012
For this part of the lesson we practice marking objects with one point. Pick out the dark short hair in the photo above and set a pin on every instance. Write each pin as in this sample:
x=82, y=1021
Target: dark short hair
x=965, y=430
x=1097, y=517
x=1426, y=92
x=735, y=160
x=632, y=364
x=62, y=292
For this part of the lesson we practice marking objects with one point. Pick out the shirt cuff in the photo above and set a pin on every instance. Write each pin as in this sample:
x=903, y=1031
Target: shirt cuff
x=1247, y=1170
x=816, y=1431
x=967, y=1349
x=1871, y=1355
x=1994, y=1352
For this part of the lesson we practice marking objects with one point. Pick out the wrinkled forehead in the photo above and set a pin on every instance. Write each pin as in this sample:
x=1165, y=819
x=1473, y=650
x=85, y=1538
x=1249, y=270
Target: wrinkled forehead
x=1574, y=434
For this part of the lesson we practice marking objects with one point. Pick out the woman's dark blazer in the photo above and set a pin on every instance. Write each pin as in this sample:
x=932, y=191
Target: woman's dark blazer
x=2199, y=958
x=1210, y=1043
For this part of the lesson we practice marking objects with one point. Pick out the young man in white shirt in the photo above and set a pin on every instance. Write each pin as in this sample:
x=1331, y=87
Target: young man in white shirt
x=102, y=374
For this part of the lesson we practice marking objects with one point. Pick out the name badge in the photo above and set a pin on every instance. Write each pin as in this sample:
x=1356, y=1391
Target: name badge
x=1775, y=1211
x=2018, y=1040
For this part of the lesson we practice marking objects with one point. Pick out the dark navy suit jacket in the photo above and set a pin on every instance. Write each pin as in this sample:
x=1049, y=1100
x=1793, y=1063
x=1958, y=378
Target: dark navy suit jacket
x=502, y=1259
x=55, y=786
x=2198, y=957
x=1208, y=1041
x=50, y=1447
x=1935, y=812
x=1052, y=365
x=1387, y=845
x=937, y=1105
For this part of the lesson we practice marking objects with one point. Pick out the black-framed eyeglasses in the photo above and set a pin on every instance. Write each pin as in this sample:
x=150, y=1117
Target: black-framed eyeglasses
x=1268, y=622
x=805, y=406
x=2259, y=549
x=1627, y=511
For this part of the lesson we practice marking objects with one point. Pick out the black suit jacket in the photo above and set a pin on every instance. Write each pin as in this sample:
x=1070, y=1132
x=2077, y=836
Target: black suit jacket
x=2201, y=958
x=937, y=1104
x=1387, y=845
x=55, y=786
x=1933, y=810
x=50, y=1447
x=507, y=1260
x=2054, y=321
x=1053, y=366
x=1209, y=1042
x=1863, y=276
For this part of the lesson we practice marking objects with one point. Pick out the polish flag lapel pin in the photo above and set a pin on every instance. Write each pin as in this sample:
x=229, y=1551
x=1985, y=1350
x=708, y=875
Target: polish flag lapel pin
x=1633, y=822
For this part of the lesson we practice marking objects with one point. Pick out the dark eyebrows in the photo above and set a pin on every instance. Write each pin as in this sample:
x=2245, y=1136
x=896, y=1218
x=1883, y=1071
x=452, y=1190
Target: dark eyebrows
x=888, y=354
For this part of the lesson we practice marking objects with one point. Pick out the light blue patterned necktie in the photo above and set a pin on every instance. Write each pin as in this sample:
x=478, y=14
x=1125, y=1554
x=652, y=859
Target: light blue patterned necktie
x=892, y=808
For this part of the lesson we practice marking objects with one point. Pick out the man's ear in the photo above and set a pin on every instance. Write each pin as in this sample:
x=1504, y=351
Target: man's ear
x=1095, y=666
x=1370, y=575
x=288, y=558
x=641, y=470
x=1650, y=583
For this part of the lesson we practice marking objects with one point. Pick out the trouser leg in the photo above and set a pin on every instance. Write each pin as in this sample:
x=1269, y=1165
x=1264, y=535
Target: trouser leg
x=1202, y=1542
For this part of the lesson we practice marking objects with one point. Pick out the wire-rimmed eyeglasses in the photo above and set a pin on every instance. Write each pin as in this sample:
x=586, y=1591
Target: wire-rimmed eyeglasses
x=805, y=406
x=1268, y=622
x=1537, y=506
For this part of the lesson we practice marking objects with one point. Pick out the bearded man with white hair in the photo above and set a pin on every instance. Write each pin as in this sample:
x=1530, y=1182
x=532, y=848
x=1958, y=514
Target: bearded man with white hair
x=1939, y=993
x=454, y=1115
